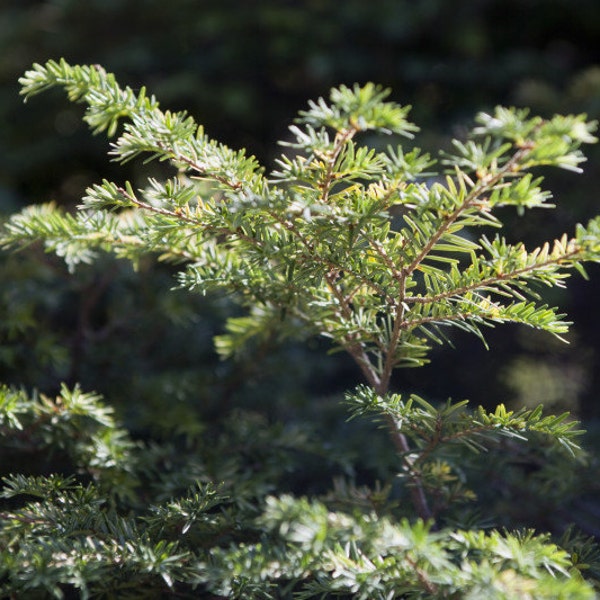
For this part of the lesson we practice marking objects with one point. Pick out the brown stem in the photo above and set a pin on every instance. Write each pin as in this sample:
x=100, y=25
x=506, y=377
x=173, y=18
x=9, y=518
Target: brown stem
x=380, y=385
x=417, y=491
x=358, y=353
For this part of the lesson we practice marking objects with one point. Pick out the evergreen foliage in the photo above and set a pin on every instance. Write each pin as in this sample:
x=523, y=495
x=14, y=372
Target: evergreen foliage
x=379, y=249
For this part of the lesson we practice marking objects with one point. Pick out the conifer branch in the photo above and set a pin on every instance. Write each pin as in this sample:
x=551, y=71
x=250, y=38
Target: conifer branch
x=353, y=244
x=563, y=260
x=480, y=188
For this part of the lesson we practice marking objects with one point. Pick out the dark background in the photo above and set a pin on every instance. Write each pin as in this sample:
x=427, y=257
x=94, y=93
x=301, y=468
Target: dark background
x=244, y=69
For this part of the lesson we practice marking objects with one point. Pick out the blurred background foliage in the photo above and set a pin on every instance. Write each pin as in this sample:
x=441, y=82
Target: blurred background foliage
x=244, y=69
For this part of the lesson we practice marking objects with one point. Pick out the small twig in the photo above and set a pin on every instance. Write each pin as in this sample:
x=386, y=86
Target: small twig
x=341, y=139
x=156, y=209
x=484, y=283
x=470, y=200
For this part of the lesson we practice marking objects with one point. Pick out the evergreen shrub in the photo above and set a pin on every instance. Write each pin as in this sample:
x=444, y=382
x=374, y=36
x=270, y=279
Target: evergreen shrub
x=381, y=249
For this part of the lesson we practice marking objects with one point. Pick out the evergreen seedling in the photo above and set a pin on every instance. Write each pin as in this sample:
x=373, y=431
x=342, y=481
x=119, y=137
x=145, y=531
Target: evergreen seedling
x=379, y=249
